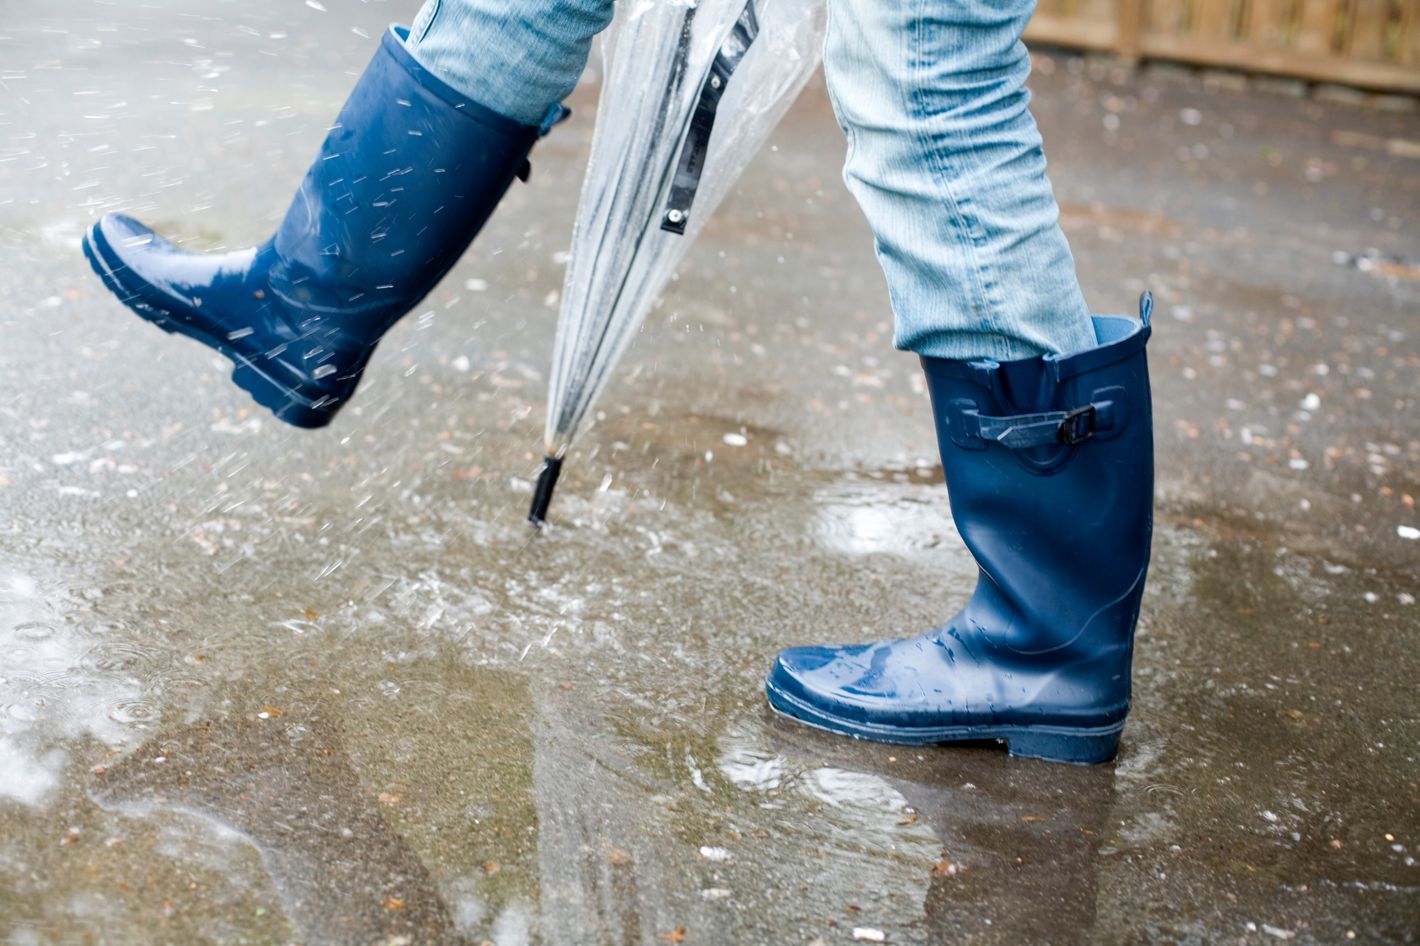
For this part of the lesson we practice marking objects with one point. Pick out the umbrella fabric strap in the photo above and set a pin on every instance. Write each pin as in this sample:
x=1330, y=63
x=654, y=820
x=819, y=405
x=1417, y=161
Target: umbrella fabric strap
x=702, y=122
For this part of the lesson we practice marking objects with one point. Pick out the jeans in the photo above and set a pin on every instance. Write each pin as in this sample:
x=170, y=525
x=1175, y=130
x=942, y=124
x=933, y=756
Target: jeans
x=520, y=58
x=944, y=157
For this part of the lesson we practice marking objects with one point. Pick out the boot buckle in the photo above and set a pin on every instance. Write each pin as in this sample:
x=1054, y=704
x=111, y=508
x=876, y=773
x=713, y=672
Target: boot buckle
x=1077, y=426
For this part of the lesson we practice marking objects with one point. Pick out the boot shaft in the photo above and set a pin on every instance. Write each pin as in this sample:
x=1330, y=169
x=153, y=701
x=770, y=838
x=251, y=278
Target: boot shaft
x=407, y=174
x=1050, y=474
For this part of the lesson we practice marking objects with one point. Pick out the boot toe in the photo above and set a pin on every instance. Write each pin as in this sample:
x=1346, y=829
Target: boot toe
x=145, y=270
x=894, y=690
x=120, y=233
x=123, y=244
x=817, y=678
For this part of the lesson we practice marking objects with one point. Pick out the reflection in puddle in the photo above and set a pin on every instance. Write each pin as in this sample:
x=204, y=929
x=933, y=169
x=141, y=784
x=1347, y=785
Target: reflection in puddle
x=868, y=516
x=47, y=696
x=749, y=765
x=866, y=793
x=343, y=873
x=967, y=831
x=849, y=835
x=637, y=839
x=28, y=778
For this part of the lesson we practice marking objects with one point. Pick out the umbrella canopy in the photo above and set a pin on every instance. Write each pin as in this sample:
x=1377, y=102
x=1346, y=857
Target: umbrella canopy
x=691, y=90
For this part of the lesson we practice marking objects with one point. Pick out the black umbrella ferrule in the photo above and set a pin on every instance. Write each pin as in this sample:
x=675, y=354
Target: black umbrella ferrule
x=702, y=120
x=542, y=494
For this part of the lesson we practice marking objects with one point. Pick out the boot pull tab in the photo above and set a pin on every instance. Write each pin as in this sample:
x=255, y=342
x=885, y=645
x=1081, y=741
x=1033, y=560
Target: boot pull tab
x=1146, y=307
x=556, y=115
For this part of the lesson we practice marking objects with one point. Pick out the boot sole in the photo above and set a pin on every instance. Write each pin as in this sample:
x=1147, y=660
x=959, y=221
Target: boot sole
x=1077, y=746
x=287, y=405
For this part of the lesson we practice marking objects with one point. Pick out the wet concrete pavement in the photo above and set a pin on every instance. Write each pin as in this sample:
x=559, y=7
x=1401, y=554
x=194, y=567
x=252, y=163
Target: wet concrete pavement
x=269, y=686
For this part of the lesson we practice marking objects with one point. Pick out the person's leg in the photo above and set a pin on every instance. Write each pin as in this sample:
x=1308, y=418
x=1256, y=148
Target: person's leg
x=517, y=57
x=1042, y=412
x=428, y=142
x=946, y=162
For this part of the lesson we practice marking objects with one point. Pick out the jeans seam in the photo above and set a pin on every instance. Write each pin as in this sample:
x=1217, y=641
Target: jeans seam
x=964, y=222
x=433, y=8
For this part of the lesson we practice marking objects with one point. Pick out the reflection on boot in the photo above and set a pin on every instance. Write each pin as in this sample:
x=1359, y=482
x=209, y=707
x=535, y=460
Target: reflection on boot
x=344, y=875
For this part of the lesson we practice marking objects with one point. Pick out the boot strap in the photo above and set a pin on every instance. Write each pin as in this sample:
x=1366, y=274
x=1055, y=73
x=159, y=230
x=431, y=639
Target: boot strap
x=1024, y=431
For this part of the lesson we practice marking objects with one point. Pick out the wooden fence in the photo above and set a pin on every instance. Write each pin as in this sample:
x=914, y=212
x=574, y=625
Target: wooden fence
x=1374, y=44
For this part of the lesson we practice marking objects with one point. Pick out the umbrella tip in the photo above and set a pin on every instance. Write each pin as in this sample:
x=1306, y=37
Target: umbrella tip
x=546, y=483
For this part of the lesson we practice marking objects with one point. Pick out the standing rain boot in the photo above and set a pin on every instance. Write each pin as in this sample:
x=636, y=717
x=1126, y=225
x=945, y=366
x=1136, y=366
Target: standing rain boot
x=405, y=179
x=1049, y=463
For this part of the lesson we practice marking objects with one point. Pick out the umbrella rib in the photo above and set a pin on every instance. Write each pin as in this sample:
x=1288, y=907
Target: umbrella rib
x=617, y=265
x=585, y=328
x=572, y=414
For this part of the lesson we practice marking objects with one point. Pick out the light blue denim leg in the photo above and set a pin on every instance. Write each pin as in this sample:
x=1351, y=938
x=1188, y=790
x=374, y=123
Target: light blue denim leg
x=518, y=57
x=946, y=162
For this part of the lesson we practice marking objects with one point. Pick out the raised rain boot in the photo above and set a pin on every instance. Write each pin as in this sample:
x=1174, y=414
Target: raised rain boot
x=1050, y=471
x=404, y=180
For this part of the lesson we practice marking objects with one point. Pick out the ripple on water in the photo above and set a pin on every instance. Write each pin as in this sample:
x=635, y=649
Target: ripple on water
x=23, y=711
x=133, y=711
x=33, y=631
x=117, y=656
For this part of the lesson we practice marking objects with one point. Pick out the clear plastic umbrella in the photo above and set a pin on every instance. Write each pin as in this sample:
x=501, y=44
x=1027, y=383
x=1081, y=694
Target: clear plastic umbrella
x=691, y=90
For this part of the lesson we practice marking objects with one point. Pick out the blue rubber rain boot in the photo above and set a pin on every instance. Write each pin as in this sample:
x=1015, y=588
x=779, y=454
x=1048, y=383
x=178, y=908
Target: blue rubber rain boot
x=1049, y=465
x=405, y=179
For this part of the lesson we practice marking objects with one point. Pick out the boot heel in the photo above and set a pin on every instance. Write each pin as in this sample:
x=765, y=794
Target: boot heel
x=281, y=402
x=1081, y=747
